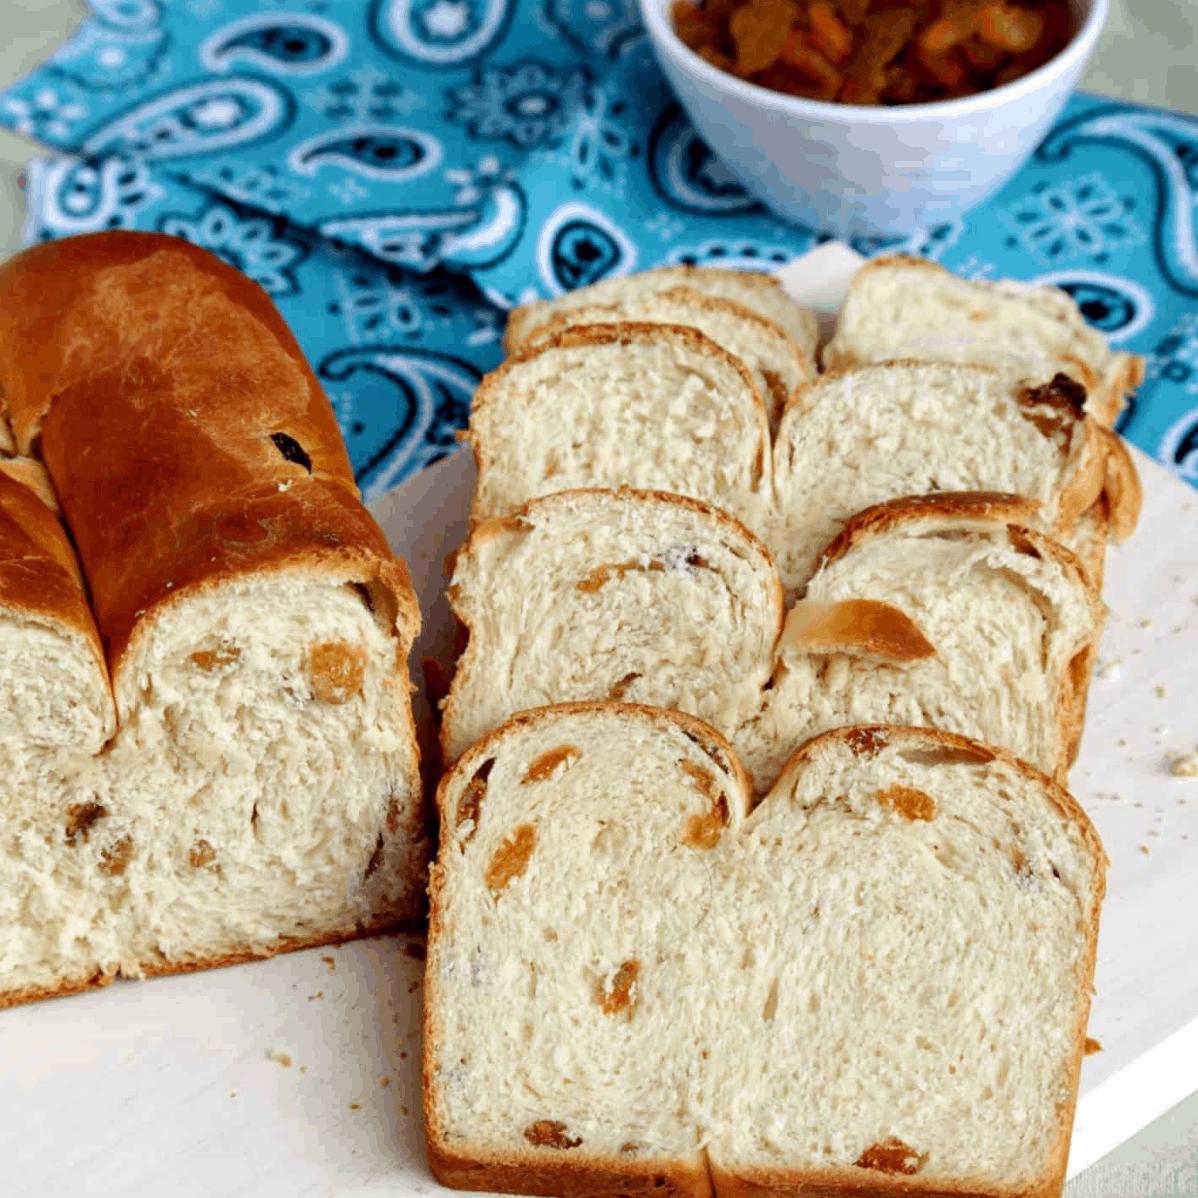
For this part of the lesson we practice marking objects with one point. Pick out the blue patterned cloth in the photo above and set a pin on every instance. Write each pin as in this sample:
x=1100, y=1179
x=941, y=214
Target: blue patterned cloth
x=397, y=172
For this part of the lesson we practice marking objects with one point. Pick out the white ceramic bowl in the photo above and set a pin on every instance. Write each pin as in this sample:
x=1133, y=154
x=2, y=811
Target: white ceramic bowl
x=871, y=170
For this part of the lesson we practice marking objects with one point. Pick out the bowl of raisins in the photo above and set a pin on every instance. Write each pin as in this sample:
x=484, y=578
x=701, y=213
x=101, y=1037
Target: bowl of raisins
x=873, y=118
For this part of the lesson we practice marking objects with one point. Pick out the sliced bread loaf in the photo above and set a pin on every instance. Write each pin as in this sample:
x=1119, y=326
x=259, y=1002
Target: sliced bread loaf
x=1010, y=624
x=611, y=595
x=760, y=293
x=634, y=987
x=777, y=363
x=234, y=773
x=902, y=307
x=658, y=407
x=858, y=437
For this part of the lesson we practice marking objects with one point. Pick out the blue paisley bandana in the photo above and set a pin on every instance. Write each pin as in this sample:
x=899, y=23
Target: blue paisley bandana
x=395, y=173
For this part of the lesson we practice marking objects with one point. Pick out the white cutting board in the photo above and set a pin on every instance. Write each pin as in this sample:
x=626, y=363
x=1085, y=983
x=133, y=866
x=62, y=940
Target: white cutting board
x=268, y=1079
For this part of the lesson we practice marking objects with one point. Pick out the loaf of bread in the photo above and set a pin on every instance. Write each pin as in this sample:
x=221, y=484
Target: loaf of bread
x=944, y=611
x=875, y=982
x=902, y=307
x=761, y=293
x=208, y=752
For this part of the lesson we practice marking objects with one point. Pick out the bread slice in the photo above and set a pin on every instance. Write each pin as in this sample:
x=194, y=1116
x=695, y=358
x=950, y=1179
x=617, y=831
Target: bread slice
x=777, y=363
x=858, y=437
x=634, y=986
x=657, y=407
x=760, y=293
x=234, y=772
x=1009, y=619
x=902, y=307
x=611, y=595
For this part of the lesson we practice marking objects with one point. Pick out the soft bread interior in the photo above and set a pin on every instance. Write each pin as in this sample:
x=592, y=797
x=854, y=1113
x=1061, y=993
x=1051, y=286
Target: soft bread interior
x=1006, y=611
x=549, y=933
x=612, y=595
x=910, y=908
x=909, y=308
x=864, y=436
x=649, y=406
x=853, y=966
x=261, y=790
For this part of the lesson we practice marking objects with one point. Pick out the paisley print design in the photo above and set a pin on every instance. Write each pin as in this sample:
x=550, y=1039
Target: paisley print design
x=73, y=196
x=1168, y=143
x=579, y=245
x=609, y=27
x=127, y=15
x=440, y=32
x=200, y=119
x=1179, y=447
x=387, y=152
x=481, y=230
x=1117, y=307
x=737, y=255
x=283, y=43
x=688, y=176
x=107, y=55
x=255, y=245
x=528, y=104
x=1076, y=218
x=409, y=402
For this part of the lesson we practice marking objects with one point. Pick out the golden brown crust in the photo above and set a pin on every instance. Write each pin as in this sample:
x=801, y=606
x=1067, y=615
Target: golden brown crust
x=39, y=575
x=402, y=923
x=989, y=506
x=186, y=436
x=577, y=1177
x=861, y=1183
x=1121, y=486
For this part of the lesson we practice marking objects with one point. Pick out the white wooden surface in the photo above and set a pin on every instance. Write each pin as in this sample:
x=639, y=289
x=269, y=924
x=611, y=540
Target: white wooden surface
x=268, y=1079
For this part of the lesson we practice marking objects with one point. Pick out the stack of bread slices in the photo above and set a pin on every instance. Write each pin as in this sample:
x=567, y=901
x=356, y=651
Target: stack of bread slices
x=756, y=870
x=206, y=742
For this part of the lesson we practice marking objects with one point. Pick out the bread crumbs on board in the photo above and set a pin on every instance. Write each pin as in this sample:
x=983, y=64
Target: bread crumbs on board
x=1184, y=765
x=279, y=1058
